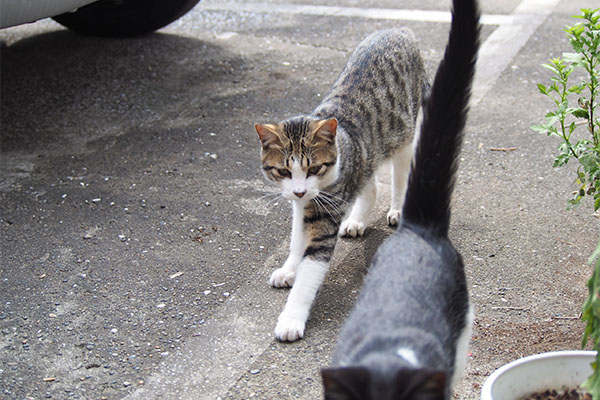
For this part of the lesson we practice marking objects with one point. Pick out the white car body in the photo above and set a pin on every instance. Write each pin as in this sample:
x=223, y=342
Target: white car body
x=15, y=12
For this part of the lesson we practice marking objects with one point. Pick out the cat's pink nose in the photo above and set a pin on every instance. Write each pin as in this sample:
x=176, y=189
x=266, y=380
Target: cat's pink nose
x=300, y=194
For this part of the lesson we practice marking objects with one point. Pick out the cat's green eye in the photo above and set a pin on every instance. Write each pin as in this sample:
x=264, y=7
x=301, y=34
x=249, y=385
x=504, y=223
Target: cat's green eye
x=315, y=170
x=284, y=173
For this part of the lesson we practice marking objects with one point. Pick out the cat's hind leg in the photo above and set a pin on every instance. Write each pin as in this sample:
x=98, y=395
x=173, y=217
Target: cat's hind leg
x=355, y=222
x=462, y=347
x=400, y=169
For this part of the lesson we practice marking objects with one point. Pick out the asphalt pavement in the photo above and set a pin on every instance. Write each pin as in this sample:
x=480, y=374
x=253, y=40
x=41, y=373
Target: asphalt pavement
x=138, y=234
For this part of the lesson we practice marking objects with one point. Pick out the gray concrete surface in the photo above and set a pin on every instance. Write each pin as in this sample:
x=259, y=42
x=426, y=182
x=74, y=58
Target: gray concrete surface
x=138, y=235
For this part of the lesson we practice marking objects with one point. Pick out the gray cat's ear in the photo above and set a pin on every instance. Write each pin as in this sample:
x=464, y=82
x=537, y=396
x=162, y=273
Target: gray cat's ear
x=267, y=133
x=326, y=129
x=349, y=383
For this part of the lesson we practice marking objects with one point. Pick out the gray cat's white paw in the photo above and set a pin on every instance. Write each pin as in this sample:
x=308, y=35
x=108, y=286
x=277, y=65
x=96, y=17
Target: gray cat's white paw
x=289, y=329
x=352, y=228
x=393, y=217
x=282, y=278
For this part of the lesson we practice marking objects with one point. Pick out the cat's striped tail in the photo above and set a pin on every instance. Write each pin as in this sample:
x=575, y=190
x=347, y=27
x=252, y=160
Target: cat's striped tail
x=433, y=173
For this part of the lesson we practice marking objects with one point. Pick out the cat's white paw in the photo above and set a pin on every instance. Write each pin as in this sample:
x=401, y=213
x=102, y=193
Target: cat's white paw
x=289, y=329
x=393, y=217
x=352, y=228
x=282, y=277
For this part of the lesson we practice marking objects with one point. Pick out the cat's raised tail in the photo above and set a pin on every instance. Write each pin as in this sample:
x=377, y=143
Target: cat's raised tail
x=433, y=173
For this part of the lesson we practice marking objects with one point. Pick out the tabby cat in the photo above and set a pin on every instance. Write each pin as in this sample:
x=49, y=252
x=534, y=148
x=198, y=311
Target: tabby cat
x=325, y=162
x=407, y=337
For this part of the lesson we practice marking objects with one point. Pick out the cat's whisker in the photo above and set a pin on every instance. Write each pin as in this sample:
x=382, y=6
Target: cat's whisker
x=323, y=203
x=318, y=206
x=334, y=197
x=271, y=200
x=334, y=201
x=270, y=197
x=331, y=211
x=267, y=195
x=333, y=205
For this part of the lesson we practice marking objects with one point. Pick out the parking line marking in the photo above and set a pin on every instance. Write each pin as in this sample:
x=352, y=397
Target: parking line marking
x=512, y=32
x=506, y=41
x=356, y=12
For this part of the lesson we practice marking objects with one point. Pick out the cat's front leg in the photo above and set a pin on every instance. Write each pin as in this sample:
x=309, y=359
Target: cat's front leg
x=320, y=233
x=292, y=320
x=285, y=276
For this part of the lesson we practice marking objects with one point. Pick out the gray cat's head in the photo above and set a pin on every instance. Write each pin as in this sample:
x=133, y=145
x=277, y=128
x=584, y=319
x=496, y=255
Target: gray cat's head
x=362, y=383
x=299, y=155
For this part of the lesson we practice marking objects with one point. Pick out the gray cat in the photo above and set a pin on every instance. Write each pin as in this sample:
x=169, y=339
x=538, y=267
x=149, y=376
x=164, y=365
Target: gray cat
x=326, y=161
x=407, y=337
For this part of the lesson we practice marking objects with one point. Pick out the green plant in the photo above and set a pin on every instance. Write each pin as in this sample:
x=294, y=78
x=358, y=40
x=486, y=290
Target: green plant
x=577, y=106
x=591, y=314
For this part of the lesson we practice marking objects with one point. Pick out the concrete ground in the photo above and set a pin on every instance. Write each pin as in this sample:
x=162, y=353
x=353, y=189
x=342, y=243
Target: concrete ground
x=138, y=235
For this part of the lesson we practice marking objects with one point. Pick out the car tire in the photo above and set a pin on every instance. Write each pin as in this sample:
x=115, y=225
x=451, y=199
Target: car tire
x=124, y=18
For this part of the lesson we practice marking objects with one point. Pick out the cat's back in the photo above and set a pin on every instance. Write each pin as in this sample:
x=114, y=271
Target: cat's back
x=413, y=260
x=415, y=278
x=379, y=92
x=385, y=57
x=398, y=44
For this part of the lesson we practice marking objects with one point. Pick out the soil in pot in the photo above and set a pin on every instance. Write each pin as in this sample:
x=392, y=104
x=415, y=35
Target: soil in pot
x=565, y=394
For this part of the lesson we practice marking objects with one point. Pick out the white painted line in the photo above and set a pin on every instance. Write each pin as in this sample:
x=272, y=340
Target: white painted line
x=506, y=41
x=356, y=12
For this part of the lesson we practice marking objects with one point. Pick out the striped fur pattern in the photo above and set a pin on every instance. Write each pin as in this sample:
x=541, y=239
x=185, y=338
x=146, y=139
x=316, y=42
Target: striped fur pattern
x=325, y=162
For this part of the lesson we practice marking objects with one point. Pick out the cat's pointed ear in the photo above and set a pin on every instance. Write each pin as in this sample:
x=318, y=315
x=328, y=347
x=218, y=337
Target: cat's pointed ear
x=345, y=383
x=421, y=384
x=267, y=133
x=326, y=129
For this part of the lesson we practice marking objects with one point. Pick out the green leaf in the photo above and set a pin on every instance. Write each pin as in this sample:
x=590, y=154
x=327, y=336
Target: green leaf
x=551, y=118
x=552, y=131
x=551, y=67
x=577, y=88
x=553, y=88
x=581, y=113
x=590, y=314
x=595, y=255
x=571, y=127
x=542, y=89
x=539, y=128
x=589, y=162
x=573, y=58
x=561, y=160
x=562, y=107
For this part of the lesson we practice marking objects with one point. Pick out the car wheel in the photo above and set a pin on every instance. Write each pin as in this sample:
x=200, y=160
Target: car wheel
x=124, y=18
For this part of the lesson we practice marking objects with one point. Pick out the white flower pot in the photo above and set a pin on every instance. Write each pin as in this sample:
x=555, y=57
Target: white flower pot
x=539, y=372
